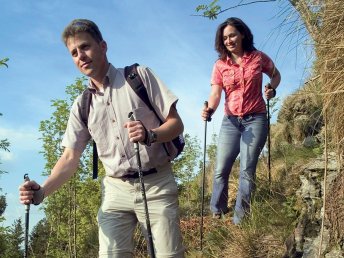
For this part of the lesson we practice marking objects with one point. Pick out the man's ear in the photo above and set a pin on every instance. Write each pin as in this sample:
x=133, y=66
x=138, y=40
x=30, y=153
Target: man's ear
x=103, y=45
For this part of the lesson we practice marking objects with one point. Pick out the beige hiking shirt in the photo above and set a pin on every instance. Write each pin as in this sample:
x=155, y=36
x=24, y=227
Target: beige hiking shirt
x=109, y=112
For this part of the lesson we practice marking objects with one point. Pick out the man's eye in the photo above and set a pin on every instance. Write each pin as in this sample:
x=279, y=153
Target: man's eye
x=85, y=47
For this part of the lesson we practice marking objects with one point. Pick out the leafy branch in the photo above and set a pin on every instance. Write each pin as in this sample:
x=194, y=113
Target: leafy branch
x=3, y=62
x=212, y=10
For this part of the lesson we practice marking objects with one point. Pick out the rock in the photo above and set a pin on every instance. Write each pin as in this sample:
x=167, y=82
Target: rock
x=307, y=235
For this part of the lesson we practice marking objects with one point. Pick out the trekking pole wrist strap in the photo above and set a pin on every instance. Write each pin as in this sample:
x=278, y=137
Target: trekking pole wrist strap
x=38, y=196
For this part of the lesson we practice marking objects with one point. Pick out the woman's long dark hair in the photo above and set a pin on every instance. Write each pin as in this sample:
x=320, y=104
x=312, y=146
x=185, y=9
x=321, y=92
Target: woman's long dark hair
x=247, y=42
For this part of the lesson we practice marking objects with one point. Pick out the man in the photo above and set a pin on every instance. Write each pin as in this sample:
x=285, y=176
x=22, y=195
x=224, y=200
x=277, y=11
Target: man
x=112, y=100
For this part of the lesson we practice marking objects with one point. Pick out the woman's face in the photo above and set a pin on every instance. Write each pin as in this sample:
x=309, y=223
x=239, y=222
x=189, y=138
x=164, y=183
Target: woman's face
x=232, y=39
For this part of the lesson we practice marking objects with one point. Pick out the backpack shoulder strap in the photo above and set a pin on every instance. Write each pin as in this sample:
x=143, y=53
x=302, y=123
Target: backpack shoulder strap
x=136, y=83
x=86, y=99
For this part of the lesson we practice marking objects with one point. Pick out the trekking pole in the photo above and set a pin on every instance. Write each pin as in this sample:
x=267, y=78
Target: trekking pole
x=203, y=176
x=27, y=217
x=143, y=191
x=269, y=142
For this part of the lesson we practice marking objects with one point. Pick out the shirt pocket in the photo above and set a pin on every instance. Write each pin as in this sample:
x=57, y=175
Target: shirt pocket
x=255, y=73
x=228, y=79
x=99, y=136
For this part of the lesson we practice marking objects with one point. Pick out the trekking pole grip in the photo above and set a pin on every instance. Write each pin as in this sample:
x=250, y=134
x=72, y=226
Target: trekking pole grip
x=26, y=179
x=211, y=111
x=27, y=217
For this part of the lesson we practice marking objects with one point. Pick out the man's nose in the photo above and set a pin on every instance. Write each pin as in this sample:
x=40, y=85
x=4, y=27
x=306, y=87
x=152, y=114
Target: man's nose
x=81, y=54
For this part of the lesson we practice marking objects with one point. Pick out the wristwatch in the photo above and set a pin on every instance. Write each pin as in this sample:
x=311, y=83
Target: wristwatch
x=152, y=138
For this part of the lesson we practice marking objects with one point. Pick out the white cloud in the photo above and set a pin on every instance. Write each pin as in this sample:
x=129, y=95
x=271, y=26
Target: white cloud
x=22, y=138
x=6, y=156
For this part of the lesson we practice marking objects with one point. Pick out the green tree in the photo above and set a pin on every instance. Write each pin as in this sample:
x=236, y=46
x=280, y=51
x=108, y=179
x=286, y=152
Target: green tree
x=3, y=205
x=189, y=172
x=3, y=230
x=15, y=238
x=4, y=145
x=72, y=209
x=38, y=244
x=184, y=166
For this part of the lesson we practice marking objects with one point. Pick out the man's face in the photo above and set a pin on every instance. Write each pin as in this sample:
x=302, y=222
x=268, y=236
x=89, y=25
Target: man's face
x=88, y=55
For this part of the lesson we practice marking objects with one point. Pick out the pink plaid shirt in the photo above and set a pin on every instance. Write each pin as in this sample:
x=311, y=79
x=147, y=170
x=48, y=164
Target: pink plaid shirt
x=242, y=84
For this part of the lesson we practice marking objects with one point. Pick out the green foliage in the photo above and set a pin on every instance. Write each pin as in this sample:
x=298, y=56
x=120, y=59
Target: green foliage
x=3, y=62
x=292, y=154
x=4, y=145
x=273, y=105
x=4, y=233
x=3, y=230
x=3, y=205
x=190, y=185
x=3, y=241
x=71, y=211
x=38, y=239
x=210, y=11
x=53, y=129
x=14, y=239
x=289, y=208
x=184, y=166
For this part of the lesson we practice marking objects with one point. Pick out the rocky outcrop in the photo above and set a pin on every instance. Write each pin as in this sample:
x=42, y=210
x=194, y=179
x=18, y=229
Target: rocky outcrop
x=308, y=235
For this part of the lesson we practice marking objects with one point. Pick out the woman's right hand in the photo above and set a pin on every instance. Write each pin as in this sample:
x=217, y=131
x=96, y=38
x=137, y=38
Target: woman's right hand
x=211, y=105
x=206, y=113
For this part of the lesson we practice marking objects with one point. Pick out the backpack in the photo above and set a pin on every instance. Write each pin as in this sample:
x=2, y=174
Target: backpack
x=136, y=83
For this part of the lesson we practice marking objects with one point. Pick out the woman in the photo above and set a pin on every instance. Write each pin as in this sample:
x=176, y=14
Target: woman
x=239, y=72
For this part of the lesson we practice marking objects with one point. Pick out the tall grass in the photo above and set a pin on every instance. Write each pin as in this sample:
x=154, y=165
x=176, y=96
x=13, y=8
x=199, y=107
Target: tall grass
x=273, y=217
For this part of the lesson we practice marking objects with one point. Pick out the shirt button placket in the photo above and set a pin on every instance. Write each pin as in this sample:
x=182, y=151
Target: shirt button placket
x=242, y=86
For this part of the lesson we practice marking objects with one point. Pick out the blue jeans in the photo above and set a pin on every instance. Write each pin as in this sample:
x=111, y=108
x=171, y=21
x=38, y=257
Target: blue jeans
x=245, y=136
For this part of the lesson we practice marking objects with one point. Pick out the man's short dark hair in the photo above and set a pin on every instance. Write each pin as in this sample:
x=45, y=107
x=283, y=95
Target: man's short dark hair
x=82, y=25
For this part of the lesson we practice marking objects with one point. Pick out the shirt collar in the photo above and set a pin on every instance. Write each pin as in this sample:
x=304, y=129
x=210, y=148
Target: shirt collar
x=244, y=58
x=108, y=79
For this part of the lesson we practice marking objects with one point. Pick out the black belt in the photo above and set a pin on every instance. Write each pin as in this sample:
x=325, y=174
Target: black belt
x=144, y=173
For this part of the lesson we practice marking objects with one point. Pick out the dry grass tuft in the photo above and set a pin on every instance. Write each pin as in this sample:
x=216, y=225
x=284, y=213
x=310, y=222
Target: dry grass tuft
x=330, y=67
x=329, y=45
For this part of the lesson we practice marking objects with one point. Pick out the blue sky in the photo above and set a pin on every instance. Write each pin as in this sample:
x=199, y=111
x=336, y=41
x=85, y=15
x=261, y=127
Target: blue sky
x=161, y=34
